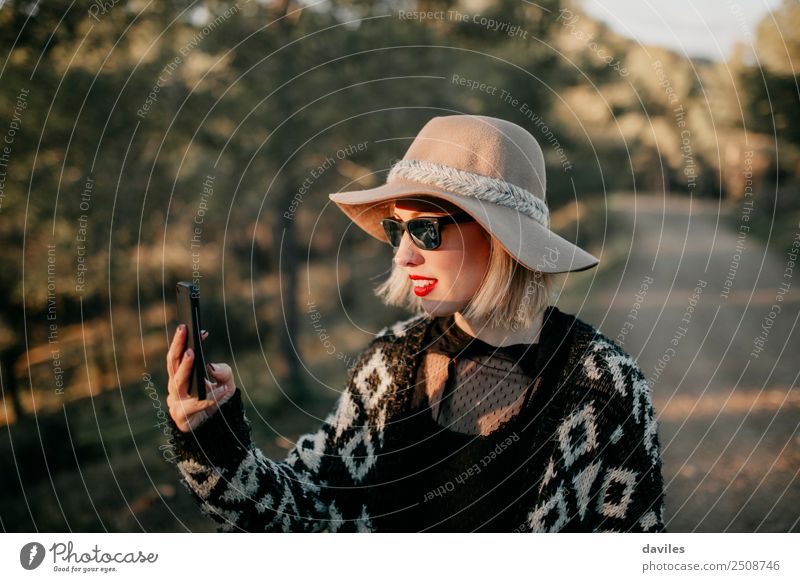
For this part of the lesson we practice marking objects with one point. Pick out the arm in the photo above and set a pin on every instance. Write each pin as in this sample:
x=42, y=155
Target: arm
x=631, y=486
x=236, y=485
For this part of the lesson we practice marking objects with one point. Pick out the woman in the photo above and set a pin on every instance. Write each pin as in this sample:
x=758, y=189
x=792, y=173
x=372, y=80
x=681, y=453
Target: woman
x=488, y=410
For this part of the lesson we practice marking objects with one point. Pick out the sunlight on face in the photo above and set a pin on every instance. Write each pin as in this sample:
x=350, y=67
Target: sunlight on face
x=449, y=276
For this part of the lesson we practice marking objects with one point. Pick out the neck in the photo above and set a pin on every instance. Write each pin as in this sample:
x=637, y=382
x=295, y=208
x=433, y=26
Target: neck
x=501, y=336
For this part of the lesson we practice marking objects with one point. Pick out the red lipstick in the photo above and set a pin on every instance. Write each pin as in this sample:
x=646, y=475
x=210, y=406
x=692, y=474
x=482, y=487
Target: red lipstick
x=420, y=290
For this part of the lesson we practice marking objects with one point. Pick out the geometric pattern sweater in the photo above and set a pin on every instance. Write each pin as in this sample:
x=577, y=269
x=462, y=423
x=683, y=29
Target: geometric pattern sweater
x=595, y=462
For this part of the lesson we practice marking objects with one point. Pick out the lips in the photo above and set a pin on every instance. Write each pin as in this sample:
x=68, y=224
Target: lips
x=422, y=285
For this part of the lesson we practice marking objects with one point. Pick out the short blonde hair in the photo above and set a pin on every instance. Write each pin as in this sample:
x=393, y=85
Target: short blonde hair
x=526, y=292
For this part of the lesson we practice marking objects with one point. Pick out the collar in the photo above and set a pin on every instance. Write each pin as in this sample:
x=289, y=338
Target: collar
x=446, y=337
x=555, y=345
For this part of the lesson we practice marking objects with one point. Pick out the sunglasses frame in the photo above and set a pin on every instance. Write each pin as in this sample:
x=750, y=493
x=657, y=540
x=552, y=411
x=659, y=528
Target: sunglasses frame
x=437, y=221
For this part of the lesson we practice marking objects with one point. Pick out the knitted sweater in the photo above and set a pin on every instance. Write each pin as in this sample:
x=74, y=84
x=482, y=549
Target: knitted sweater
x=594, y=462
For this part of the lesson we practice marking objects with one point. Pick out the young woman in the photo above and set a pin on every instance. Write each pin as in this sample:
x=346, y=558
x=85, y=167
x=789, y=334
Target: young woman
x=487, y=410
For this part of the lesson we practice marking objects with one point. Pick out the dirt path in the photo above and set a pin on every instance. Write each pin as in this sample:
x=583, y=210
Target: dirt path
x=687, y=296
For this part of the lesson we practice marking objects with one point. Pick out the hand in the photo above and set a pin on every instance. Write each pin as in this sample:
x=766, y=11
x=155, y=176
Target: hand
x=187, y=411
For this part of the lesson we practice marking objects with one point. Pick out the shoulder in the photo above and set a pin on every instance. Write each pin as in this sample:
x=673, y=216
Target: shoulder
x=390, y=344
x=380, y=368
x=615, y=382
x=601, y=371
x=600, y=358
x=400, y=329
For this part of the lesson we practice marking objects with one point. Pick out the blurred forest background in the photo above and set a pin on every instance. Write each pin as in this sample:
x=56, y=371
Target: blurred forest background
x=154, y=140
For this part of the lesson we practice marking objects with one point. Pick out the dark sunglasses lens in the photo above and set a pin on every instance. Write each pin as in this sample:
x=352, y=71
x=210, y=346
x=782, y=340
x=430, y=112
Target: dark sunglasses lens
x=424, y=233
x=394, y=232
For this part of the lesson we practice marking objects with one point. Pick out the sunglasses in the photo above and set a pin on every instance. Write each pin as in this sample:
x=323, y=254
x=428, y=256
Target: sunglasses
x=425, y=231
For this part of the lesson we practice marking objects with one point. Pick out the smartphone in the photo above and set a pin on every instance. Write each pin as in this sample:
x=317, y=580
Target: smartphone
x=189, y=314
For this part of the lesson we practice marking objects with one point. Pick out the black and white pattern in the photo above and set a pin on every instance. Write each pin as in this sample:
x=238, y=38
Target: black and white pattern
x=599, y=465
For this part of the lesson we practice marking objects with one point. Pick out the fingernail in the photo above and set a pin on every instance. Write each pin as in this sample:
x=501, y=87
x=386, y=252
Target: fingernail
x=189, y=353
x=212, y=367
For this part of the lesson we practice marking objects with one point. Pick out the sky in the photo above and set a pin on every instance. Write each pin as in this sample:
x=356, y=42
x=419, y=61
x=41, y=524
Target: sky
x=697, y=28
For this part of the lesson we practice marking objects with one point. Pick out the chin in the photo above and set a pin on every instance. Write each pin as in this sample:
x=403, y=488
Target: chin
x=441, y=308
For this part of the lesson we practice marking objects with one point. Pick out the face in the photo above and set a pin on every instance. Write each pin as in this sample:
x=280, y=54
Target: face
x=449, y=276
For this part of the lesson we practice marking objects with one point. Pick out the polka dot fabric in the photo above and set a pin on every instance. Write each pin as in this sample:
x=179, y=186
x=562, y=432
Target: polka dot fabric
x=473, y=387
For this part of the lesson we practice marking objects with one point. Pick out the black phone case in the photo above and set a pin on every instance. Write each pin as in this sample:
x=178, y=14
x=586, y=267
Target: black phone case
x=189, y=313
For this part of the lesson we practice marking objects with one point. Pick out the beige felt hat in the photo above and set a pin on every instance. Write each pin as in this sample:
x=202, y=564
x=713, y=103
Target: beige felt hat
x=491, y=168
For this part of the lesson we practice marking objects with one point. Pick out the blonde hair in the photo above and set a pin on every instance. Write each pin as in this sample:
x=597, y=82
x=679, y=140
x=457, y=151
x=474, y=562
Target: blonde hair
x=526, y=292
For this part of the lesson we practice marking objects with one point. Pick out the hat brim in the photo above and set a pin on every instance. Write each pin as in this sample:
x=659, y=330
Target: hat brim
x=532, y=244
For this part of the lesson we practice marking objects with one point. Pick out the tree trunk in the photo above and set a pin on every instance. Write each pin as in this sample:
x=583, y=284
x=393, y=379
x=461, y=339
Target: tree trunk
x=286, y=248
x=9, y=382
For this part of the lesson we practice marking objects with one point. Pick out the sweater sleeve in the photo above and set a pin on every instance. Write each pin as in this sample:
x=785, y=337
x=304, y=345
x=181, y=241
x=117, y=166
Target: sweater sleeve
x=605, y=473
x=311, y=490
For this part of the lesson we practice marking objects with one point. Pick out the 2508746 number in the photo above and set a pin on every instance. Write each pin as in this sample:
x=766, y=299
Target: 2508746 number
x=756, y=565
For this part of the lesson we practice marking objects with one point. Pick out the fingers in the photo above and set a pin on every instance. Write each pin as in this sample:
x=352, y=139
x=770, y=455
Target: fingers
x=216, y=398
x=175, y=352
x=229, y=392
x=184, y=412
x=218, y=395
x=176, y=349
x=189, y=413
x=221, y=373
x=190, y=406
x=180, y=380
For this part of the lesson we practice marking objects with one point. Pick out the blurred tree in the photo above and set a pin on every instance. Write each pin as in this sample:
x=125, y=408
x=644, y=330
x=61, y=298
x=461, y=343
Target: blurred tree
x=773, y=95
x=778, y=39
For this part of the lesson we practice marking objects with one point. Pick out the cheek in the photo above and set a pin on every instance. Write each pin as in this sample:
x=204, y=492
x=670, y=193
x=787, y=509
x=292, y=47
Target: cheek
x=478, y=261
x=478, y=248
x=449, y=264
x=470, y=264
x=484, y=251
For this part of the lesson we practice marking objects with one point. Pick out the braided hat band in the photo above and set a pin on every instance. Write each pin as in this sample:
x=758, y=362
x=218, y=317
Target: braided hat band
x=473, y=185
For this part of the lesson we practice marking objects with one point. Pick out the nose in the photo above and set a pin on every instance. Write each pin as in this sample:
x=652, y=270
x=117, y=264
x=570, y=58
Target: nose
x=407, y=254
